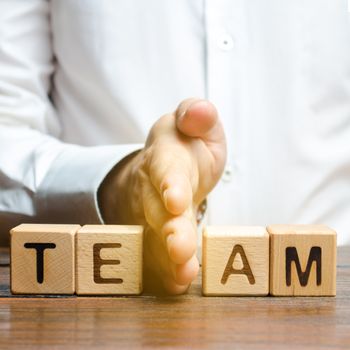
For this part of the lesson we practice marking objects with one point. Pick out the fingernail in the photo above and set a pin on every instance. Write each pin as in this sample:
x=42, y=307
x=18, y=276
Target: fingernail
x=183, y=113
x=186, y=109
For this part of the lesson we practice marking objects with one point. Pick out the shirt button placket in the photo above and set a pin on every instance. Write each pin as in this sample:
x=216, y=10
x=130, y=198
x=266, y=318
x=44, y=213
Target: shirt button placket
x=223, y=66
x=223, y=86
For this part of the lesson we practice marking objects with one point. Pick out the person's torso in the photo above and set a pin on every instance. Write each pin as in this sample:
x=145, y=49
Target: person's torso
x=278, y=72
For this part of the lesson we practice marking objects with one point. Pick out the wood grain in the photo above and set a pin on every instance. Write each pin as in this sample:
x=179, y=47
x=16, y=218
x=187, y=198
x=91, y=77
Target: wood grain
x=293, y=271
x=235, y=260
x=109, y=259
x=189, y=321
x=42, y=257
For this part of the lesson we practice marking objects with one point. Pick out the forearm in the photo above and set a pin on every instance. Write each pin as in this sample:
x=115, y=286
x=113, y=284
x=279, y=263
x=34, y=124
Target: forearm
x=43, y=179
x=117, y=195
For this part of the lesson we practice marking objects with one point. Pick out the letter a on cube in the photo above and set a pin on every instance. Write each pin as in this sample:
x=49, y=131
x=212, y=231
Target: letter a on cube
x=302, y=260
x=109, y=259
x=235, y=260
x=42, y=259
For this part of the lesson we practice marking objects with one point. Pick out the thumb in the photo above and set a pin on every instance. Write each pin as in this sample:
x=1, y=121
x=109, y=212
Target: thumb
x=199, y=118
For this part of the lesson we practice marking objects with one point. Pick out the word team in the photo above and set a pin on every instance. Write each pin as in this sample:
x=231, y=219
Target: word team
x=280, y=260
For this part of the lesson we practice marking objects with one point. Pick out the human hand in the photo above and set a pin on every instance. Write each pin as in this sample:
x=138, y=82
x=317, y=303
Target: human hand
x=162, y=186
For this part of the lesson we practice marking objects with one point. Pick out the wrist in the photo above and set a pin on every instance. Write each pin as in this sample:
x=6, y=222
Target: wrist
x=113, y=193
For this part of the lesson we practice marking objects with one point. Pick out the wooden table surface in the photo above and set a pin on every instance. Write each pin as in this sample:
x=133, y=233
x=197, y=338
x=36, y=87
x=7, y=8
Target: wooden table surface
x=189, y=321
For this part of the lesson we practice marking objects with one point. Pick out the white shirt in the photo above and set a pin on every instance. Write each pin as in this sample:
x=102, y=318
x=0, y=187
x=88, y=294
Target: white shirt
x=277, y=70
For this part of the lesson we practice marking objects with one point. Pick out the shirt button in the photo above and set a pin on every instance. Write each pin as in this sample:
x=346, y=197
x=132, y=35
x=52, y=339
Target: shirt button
x=227, y=174
x=225, y=42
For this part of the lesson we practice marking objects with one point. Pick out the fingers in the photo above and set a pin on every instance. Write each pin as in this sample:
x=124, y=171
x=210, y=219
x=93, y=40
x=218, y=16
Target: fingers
x=174, y=288
x=178, y=233
x=176, y=278
x=185, y=274
x=170, y=242
x=199, y=118
x=174, y=163
x=176, y=191
x=178, y=170
x=154, y=211
x=171, y=172
x=181, y=239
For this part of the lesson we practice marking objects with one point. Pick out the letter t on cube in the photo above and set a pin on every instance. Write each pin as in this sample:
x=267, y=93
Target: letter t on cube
x=42, y=259
x=235, y=260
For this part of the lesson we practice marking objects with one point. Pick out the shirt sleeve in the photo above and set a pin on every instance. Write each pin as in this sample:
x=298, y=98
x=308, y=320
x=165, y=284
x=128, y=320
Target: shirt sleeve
x=41, y=178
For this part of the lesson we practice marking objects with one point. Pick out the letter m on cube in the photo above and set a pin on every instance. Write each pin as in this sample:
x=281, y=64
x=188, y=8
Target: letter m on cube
x=302, y=260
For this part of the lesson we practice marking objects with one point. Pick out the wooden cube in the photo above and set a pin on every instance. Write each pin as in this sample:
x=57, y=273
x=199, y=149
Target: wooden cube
x=42, y=259
x=235, y=260
x=109, y=259
x=302, y=260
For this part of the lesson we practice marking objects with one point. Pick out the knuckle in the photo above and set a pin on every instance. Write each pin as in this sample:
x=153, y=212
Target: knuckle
x=165, y=122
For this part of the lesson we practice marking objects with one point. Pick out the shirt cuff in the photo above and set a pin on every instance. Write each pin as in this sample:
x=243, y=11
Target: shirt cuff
x=68, y=194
